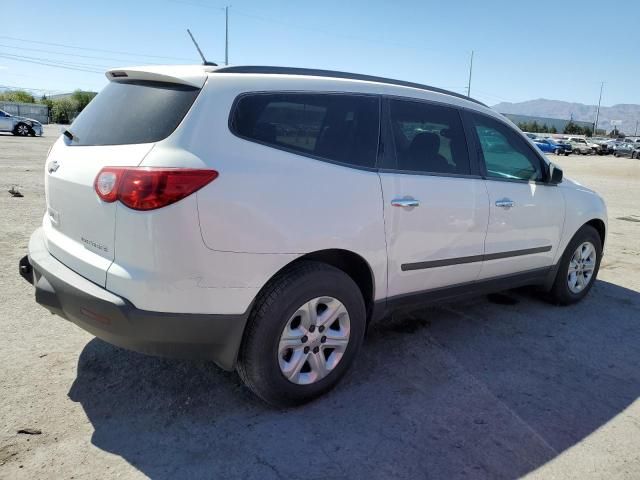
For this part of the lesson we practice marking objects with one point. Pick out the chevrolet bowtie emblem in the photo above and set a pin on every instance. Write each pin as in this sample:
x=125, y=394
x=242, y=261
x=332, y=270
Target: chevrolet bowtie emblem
x=53, y=166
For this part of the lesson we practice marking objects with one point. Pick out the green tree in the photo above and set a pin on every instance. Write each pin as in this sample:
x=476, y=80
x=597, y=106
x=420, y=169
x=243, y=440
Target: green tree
x=82, y=99
x=17, y=96
x=62, y=110
x=572, y=128
x=44, y=100
x=587, y=131
x=553, y=129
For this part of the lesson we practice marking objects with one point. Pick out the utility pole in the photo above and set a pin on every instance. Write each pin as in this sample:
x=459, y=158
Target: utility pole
x=470, y=71
x=595, y=128
x=636, y=133
x=226, y=35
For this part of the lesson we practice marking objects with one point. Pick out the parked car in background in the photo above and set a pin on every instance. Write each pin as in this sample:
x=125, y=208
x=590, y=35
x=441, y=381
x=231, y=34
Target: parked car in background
x=19, y=125
x=601, y=143
x=581, y=146
x=613, y=144
x=627, y=149
x=248, y=215
x=549, y=145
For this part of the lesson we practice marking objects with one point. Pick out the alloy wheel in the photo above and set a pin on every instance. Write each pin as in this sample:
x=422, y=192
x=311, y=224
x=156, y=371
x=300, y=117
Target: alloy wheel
x=581, y=267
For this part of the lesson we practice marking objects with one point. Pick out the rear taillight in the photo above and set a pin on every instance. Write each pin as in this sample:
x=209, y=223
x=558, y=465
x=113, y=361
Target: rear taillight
x=148, y=188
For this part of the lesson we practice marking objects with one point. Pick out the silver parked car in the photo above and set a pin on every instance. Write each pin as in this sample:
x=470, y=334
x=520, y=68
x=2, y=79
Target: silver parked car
x=19, y=125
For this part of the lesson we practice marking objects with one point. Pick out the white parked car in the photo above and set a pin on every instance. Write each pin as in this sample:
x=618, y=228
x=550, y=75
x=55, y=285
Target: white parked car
x=261, y=217
x=582, y=146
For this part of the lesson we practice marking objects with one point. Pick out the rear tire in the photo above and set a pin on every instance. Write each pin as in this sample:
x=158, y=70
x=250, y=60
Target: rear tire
x=287, y=364
x=567, y=287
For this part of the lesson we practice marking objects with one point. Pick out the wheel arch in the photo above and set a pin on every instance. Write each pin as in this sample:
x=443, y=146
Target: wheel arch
x=351, y=263
x=600, y=228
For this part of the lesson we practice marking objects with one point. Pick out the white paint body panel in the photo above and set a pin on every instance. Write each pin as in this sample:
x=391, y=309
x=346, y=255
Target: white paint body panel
x=80, y=228
x=214, y=250
x=535, y=220
x=450, y=222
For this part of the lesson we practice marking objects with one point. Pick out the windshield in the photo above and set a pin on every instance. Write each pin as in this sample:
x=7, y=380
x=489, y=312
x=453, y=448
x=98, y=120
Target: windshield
x=132, y=112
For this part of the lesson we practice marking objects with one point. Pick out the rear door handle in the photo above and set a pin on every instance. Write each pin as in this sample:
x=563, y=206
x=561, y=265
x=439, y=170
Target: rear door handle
x=505, y=203
x=406, y=202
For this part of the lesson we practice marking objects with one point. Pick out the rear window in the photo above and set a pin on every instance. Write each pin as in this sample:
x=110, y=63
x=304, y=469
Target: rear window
x=133, y=112
x=337, y=127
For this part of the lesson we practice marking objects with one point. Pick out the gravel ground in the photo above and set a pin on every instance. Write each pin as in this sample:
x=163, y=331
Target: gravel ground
x=496, y=387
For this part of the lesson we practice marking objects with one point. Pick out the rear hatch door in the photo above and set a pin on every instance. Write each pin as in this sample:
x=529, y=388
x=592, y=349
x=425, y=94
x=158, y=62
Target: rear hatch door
x=118, y=128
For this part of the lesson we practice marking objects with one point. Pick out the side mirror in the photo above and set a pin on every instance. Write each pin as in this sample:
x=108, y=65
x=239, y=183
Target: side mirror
x=555, y=174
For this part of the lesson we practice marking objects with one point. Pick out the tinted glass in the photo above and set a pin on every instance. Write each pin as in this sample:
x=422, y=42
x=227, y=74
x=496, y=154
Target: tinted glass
x=506, y=153
x=133, y=112
x=428, y=138
x=341, y=128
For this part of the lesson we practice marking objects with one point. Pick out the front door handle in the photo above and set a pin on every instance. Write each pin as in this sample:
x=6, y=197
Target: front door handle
x=505, y=203
x=406, y=202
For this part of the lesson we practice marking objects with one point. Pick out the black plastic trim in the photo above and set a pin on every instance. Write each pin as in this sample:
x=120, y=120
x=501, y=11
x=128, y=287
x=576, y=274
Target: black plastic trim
x=472, y=259
x=537, y=277
x=311, y=72
x=115, y=320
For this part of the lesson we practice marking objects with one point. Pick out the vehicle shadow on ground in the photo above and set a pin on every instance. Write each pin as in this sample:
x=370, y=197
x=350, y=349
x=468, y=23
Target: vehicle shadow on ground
x=488, y=388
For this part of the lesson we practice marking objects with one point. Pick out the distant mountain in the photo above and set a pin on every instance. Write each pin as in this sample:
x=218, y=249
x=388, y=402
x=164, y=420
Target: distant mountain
x=629, y=114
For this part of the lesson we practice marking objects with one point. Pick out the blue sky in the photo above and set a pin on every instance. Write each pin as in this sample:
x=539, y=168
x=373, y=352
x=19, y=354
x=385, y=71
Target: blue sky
x=523, y=50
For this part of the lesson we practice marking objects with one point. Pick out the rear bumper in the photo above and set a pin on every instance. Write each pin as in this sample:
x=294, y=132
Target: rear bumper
x=117, y=321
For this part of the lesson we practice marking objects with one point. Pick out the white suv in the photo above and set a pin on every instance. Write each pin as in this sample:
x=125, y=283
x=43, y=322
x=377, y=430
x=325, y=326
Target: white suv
x=262, y=217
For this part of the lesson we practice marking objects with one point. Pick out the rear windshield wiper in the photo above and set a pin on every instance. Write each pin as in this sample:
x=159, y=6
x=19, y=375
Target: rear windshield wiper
x=67, y=133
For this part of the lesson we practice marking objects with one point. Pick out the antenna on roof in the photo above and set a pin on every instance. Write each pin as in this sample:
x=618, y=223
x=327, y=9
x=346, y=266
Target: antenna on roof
x=204, y=60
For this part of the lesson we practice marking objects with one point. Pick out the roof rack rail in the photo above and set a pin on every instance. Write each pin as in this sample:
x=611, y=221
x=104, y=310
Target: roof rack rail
x=312, y=72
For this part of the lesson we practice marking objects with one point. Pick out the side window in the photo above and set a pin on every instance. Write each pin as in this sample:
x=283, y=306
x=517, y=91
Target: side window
x=506, y=154
x=428, y=138
x=2, y=114
x=338, y=127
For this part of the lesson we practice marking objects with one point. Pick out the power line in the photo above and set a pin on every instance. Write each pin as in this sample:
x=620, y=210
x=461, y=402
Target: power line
x=66, y=54
x=56, y=61
x=30, y=89
x=195, y=4
x=78, y=69
x=130, y=54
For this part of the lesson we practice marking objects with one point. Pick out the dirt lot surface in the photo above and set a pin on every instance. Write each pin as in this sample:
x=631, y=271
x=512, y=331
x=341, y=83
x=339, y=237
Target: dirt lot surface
x=496, y=387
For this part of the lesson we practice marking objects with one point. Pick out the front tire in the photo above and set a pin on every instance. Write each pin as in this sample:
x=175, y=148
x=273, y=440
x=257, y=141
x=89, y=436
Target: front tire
x=578, y=267
x=22, y=130
x=304, y=332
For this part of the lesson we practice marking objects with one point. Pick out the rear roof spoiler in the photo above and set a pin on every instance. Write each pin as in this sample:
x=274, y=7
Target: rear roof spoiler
x=192, y=75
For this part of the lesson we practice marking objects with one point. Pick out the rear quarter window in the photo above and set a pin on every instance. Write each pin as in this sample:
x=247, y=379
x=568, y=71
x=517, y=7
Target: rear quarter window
x=130, y=112
x=337, y=127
